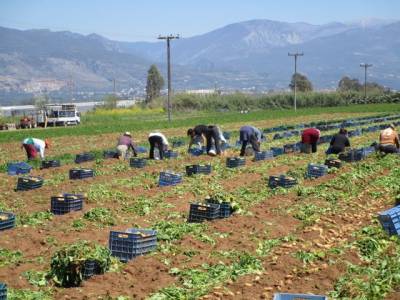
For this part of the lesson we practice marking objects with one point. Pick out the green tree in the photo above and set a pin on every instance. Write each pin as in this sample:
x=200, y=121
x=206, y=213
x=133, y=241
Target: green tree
x=40, y=102
x=155, y=83
x=347, y=84
x=302, y=83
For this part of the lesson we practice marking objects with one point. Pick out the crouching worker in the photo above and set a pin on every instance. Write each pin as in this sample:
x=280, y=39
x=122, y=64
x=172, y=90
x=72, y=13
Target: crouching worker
x=125, y=143
x=32, y=146
x=159, y=141
x=339, y=142
x=212, y=135
x=389, y=140
x=309, y=140
x=252, y=135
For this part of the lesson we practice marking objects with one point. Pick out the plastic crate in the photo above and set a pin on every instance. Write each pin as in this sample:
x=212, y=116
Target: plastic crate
x=356, y=132
x=263, y=155
x=7, y=220
x=46, y=164
x=3, y=291
x=141, y=149
x=225, y=208
x=200, y=212
x=170, y=154
x=368, y=151
x=352, y=155
x=227, y=135
x=80, y=173
x=83, y=157
x=316, y=170
x=281, y=181
x=17, y=168
x=29, y=183
x=63, y=204
x=91, y=267
x=290, y=148
x=234, y=162
x=288, y=296
x=137, y=162
x=277, y=151
x=131, y=243
x=178, y=143
x=390, y=220
x=196, y=151
x=278, y=136
x=110, y=154
x=169, y=178
x=198, y=169
x=333, y=163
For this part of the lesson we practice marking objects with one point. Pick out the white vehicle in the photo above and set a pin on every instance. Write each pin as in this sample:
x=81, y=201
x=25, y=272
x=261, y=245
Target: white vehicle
x=58, y=115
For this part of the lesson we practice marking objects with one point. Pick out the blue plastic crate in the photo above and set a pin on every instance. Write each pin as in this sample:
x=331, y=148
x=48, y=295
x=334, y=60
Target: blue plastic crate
x=390, y=220
x=356, y=132
x=83, y=157
x=46, y=164
x=63, y=204
x=80, y=173
x=263, y=155
x=288, y=296
x=137, y=162
x=234, y=162
x=141, y=149
x=110, y=154
x=352, y=155
x=368, y=151
x=3, y=291
x=290, y=148
x=200, y=212
x=196, y=151
x=7, y=220
x=227, y=135
x=131, y=243
x=198, y=169
x=170, y=154
x=316, y=170
x=17, y=168
x=278, y=136
x=169, y=178
x=277, y=151
x=29, y=183
x=178, y=143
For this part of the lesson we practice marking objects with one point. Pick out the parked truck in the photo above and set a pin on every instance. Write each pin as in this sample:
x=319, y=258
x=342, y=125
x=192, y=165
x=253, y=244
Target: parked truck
x=58, y=115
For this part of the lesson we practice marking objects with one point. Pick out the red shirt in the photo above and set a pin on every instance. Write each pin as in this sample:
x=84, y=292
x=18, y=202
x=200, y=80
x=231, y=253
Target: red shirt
x=310, y=135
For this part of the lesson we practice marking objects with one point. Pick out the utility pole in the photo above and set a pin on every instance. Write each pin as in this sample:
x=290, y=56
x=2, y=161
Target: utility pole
x=168, y=38
x=114, y=85
x=365, y=66
x=295, y=55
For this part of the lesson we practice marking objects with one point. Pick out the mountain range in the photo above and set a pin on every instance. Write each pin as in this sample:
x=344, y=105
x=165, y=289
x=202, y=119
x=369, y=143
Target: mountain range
x=251, y=55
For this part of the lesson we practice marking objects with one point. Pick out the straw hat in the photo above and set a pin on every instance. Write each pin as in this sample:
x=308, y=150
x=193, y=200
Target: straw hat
x=127, y=133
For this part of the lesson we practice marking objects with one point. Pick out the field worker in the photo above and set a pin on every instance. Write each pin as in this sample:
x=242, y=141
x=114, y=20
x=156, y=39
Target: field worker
x=389, y=140
x=211, y=133
x=159, y=141
x=339, y=142
x=125, y=143
x=309, y=139
x=32, y=146
x=252, y=135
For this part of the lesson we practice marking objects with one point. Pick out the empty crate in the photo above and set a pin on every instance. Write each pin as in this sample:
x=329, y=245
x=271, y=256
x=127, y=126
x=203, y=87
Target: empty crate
x=333, y=163
x=46, y=164
x=18, y=168
x=3, y=291
x=225, y=208
x=282, y=181
x=316, y=170
x=198, y=169
x=7, y=220
x=390, y=220
x=234, y=162
x=169, y=178
x=131, y=243
x=80, y=173
x=136, y=162
x=288, y=296
x=170, y=154
x=29, y=183
x=80, y=158
x=200, y=212
x=277, y=151
x=63, y=204
x=263, y=155
x=110, y=154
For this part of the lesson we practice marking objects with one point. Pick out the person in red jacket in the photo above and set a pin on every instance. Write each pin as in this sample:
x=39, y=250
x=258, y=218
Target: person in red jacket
x=309, y=139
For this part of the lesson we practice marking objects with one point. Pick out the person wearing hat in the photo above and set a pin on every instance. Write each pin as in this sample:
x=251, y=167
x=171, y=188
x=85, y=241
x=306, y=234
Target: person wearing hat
x=389, y=140
x=252, y=135
x=32, y=146
x=159, y=141
x=125, y=143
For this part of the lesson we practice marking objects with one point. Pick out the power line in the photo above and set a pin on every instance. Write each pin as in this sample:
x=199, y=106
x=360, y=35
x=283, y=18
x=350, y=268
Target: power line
x=168, y=38
x=295, y=55
x=365, y=66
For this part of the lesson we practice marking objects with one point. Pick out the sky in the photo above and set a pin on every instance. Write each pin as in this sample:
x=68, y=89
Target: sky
x=141, y=20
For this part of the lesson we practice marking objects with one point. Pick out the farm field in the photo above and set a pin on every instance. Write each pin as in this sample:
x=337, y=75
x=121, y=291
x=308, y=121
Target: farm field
x=320, y=237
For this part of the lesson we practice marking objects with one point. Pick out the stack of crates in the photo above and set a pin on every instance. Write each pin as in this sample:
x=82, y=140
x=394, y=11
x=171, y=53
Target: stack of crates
x=290, y=148
x=110, y=154
x=390, y=220
x=137, y=162
x=316, y=170
x=65, y=203
x=200, y=212
x=170, y=154
x=131, y=243
x=288, y=296
x=29, y=183
x=80, y=173
x=333, y=163
x=263, y=155
x=7, y=220
x=83, y=157
x=198, y=169
x=234, y=162
x=18, y=168
x=277, y=151
x=3, y=291
x=169, y=178
x=281, y=181
x=225, y=208
x=46, y=164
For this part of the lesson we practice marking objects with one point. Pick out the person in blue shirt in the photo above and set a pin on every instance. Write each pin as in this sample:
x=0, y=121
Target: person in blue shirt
x=252, y=135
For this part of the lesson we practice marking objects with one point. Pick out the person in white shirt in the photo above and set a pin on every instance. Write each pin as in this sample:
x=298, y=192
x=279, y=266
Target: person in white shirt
x=32, y=146
x=159, y=141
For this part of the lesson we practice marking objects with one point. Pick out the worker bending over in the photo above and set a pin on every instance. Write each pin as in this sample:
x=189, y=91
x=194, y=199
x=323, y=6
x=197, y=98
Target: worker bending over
x=252, y=135
x=32, y=146
x=309, y=140
x=339, y=142
x=211, y=133
x=124, y=144
x=389, y=140
x=159, y=141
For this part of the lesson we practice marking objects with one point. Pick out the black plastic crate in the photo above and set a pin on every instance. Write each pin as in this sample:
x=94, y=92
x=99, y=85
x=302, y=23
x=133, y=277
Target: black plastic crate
x=200, y=212
x=333, y=163
x=198, y=169
x=110, y=154
x=90, y=268
x=131, y=243
x=225, y=208
x=281, y=181
x=290, y=148
x=169, y=178
x=263, y=155
x=316, y=170
x=81, y=173
x=3, y=291
x=137, y=162
x=196, y=151
x=63, y=204
x=234, y=162
x=170, y=154
x=352, y=155
x=29, y=183
x=7, y=220
x=83, y=157
x=390, y=220
x=277, y=151
x=46, y=164
x=17, y=168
